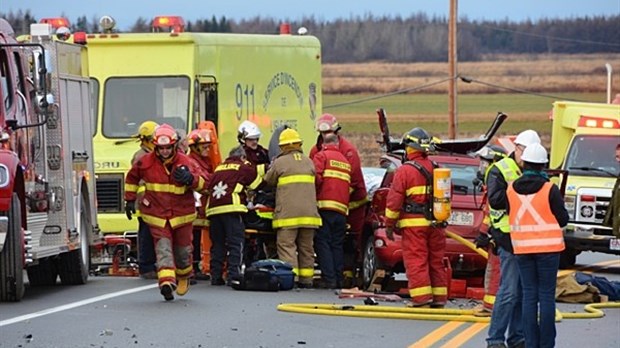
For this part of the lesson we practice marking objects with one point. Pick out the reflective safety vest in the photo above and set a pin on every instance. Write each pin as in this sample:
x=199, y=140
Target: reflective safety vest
x=511, y=172
x=534, y=228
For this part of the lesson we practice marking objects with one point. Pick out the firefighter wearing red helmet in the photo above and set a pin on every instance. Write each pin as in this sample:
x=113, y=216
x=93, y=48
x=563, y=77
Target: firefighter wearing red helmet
x=328, y=124
x=170, y=177
x=423, y=244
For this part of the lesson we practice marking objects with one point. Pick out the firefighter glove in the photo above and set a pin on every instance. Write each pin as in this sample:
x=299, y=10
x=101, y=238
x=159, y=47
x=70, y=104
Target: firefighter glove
x=482, y=241
x=183, y=176
x=389, y=233
x=130, y=208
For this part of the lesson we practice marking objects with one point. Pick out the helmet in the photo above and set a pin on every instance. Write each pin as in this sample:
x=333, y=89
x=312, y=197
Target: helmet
x=417, y=138
x=165, y=135
x=535, y=153
x=491, y=153
x=199, y=136
x=289, y=136
x=248, y=130
x=327, y=123
x=527, y=138
x=146, y=130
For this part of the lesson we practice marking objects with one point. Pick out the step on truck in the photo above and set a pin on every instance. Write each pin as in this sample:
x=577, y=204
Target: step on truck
x=48, y=222
x=584, y=137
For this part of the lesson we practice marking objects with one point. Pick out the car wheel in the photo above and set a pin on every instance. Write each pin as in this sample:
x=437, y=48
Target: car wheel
x=370, y=262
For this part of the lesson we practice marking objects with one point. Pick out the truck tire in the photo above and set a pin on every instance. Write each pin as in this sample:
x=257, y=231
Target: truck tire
x=43, y=274
x=74, y=265
x=12, y=256
x=568, y=258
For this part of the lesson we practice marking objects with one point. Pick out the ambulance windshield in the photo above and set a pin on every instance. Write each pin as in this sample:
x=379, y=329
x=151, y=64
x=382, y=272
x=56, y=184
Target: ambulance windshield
x=129, y=101
x=594, y=154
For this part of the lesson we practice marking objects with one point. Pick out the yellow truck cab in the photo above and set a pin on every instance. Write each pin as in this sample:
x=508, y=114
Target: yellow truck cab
x=182, y=78
x=583, y=141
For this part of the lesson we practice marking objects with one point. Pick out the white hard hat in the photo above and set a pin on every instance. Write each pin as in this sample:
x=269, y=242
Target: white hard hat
x=527, y=138
x=248, y=130
x=535, y=153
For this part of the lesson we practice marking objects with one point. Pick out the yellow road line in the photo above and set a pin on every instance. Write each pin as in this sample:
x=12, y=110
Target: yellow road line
x=437, y=334
x=465, y=335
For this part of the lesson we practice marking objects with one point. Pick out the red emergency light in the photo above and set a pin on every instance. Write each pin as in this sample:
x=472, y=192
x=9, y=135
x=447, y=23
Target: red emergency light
x=56, y=22
x=174, y=24
x=79, y=38
x=598, y=122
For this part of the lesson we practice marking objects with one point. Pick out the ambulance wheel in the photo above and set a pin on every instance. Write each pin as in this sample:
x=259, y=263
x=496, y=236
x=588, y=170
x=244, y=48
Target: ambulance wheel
x=73, y=266
x=43, y=274
x=12, y=256
x=568, y=258
x=370, y=263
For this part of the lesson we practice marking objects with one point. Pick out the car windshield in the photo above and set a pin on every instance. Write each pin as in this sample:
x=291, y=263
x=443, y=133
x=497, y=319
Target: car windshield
x=593, y=154
x=129, y=101
x=463, y=178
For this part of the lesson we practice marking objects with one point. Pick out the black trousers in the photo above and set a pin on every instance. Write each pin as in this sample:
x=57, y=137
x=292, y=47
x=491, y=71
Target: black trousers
x=227, y=233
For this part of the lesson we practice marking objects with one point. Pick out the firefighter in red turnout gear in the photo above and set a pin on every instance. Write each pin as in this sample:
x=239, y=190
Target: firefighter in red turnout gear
x=325, y=125
x=423, y=245
x=227, y=201
x=333, y=179
x=168, y=207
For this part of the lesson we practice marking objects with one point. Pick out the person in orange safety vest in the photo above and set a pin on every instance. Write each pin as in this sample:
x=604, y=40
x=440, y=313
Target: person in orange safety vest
x=168, y=207
x=333, y=180
x=423, y=245
x=328, y=124
x=537, y=213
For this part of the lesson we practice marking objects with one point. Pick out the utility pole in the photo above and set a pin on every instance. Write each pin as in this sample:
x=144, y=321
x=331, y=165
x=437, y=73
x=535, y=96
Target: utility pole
x=452, y=60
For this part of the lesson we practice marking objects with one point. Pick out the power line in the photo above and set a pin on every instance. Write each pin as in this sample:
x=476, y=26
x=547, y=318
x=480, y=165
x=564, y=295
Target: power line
x=385, y=95
x=552, y=37
x=518, y=90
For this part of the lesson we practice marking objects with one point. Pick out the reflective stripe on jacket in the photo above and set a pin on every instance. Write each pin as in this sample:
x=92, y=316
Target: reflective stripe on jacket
x=511, y=172
x=292, y=173
x=227, y=187
x=534, y=228
x=333, y=179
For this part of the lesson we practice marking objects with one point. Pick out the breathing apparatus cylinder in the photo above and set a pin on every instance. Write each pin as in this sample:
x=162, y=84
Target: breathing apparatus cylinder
x=442, y=189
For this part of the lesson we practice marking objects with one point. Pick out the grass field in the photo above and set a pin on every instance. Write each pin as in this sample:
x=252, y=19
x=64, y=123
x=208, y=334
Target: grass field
x=358, y=118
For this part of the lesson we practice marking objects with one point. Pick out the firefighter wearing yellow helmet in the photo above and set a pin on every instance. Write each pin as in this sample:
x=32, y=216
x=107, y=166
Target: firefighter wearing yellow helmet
x=146, y=250
x=295, y=220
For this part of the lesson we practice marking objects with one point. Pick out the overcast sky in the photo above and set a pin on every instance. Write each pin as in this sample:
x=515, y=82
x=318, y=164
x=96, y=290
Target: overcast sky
x=127, y=11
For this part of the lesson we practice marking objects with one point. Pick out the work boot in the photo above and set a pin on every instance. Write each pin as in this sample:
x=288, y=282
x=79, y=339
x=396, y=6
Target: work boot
x=182, y=286
x=166, y=289
x=411, y=304
x=496, y=345
x=149, y=275
x=438, y=305
x=201, y=276
x=218, y=281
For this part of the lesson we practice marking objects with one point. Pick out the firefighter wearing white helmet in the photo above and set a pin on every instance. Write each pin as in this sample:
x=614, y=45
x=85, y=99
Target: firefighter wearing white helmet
x=328, y=124
x=248, y=135
x=508, y=300
x=536, y=204
x=295, y=220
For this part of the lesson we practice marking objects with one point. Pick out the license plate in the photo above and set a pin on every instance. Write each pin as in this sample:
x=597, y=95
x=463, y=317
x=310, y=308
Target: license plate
x=614, y=244
x=461, y=218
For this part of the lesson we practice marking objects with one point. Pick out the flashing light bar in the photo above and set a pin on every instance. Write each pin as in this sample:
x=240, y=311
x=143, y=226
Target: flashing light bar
x=56, y=22
x=598, y=122
x=175, y=23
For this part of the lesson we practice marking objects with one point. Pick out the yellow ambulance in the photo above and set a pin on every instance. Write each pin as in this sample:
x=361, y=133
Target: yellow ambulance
x=182, y=78
x=583, y=141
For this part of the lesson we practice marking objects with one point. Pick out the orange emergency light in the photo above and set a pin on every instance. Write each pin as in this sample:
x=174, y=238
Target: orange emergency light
x=174, y=24
x=598, y=122
x=56, y=22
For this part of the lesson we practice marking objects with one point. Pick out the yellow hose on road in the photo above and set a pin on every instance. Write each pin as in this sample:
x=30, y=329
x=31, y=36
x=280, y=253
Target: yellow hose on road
x=390, y=312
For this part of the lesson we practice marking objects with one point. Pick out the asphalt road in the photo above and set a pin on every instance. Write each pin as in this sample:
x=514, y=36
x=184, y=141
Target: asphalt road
x=130, y=312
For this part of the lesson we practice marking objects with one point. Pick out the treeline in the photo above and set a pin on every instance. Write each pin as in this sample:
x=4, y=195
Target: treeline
x=417, y=38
